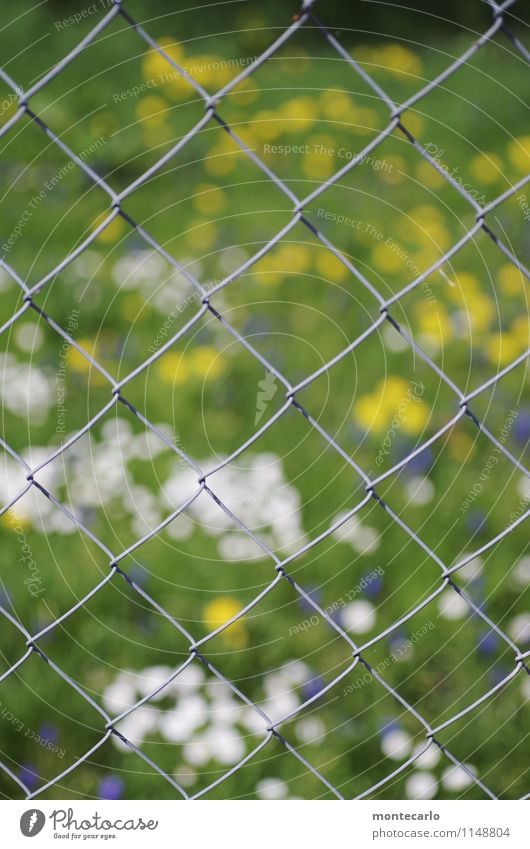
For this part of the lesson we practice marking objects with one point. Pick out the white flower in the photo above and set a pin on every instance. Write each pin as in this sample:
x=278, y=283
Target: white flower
x=519, y=628
x=395, y=744
x=428, y=758
x=454, y=778
x=452, y=606
x=271, y=788
x=358, y=616
x=421, y=785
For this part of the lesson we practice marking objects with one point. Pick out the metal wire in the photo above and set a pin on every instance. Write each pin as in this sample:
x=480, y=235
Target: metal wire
x=205, y=479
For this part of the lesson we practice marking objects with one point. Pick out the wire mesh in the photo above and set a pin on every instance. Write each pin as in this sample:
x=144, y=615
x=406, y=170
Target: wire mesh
x=30, y=643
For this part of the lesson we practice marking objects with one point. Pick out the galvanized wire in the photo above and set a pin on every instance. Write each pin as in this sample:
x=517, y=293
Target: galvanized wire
x=205, y=479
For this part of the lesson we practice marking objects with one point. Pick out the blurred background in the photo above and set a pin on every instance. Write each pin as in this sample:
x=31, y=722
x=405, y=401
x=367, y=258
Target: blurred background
x=120, y=107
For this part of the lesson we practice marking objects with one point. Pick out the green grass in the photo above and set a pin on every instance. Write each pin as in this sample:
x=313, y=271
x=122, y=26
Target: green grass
x=211, y=208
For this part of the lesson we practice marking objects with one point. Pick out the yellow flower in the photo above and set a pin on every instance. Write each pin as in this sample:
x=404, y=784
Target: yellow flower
x=503, y=348
x=393, y=171
x=480, y=310
x=112, y=231
x=285, y=260
x=415, y=417
x=155, y=135
x=156, y=66
x=428, y=175
x=172, y=368
x=12, y=520
x=78, y=363
x=369, y=413
x=393, y=397
x=294, y=258
x=486, y=167
x=221, y=610
x=365, y=121
x=209, y=199
x=330, y=267
x=511, y=280
x=246, y=91
x=265, y=127
x=337, y=106
x=317, y=166
x=386, y=258
x=434, y=321
x=267, y=271
x=220, y=161
x=177, y=86
x=521, y=331
x=425, y=212
x=205, y=361
x=393, y=390
x=201, y=235
x=298, y=114
x=433, y=232
x=465, y=284
x=152, y=109
x=519, y=153
x=399, y=60
x=414, y=123
x=209, y=70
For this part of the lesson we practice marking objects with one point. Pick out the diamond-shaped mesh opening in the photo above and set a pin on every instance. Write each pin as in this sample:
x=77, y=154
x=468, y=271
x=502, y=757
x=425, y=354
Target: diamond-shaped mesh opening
x=42, y=189
x=484, y=485
x=99, y=651
x=148, y=106
x=349, y=742
x=42, y=546
x=383, y=414
x=503, y=721
x=47, y=712
x=200, y=207
x=223, y=459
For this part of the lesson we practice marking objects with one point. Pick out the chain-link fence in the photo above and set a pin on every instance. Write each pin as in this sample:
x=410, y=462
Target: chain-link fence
x=32, y=643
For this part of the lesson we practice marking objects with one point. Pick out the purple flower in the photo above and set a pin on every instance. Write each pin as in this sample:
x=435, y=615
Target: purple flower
x=312, y=687
x=48, y=733
x=420, y=464
x=521, y=427
x=475, y=521
x=487, y=643
x=138, y=574
x=29, y=776
x=314, y=595
x=111, y=787
x=388, y=726
x=398, y=640
x=498, y=674
x=373, y=586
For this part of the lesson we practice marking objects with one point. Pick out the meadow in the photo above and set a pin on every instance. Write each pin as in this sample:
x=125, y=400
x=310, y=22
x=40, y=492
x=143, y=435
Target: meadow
x=120, y=107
